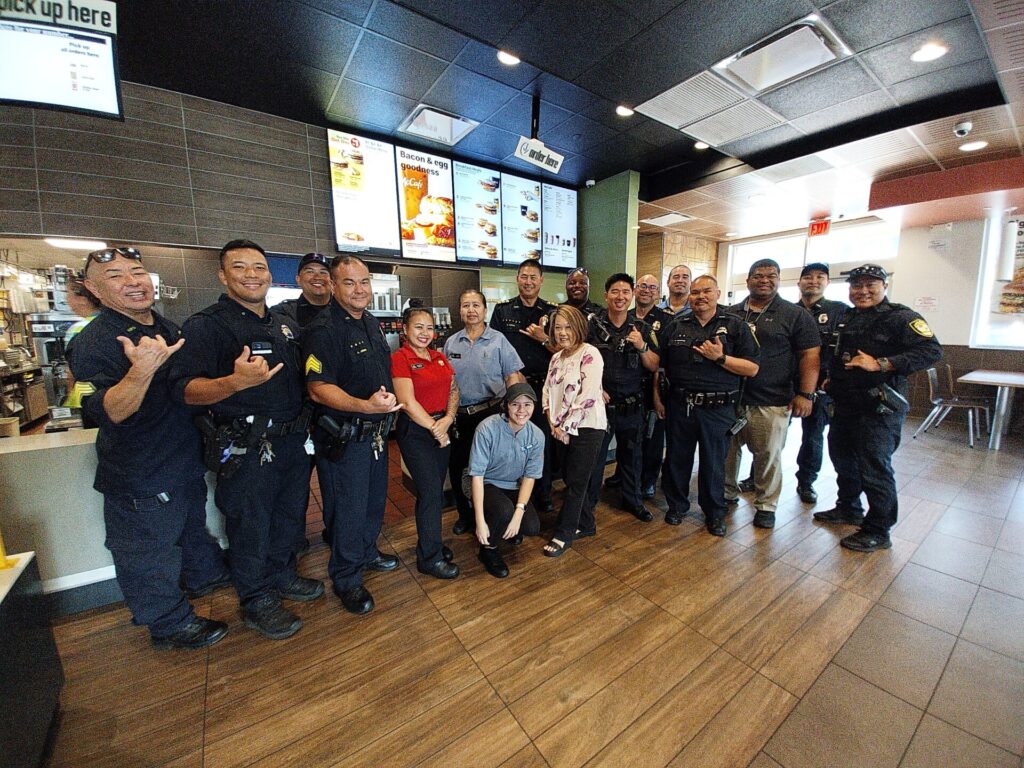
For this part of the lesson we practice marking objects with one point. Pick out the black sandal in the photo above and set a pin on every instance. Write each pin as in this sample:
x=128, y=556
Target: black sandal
x=557, y=550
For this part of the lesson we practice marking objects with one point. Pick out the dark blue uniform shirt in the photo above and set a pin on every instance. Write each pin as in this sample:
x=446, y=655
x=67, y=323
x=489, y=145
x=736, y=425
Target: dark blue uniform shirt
x=623, y=370
x=155, y=449
x=825, y=313
x=299, y=310
x=512, y=316
x=688, y=368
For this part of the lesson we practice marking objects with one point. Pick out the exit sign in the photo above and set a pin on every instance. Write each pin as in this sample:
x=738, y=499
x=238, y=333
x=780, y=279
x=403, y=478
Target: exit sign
x=817, y=228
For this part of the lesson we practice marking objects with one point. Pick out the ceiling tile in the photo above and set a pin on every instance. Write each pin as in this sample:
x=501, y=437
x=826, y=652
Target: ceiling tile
x=864, y=105
x=647, y=11
x=982, y=121
x=483, y=59
x=517, y=114
x=660, y=135
x=863, y=24
x=369, y=105
x=875, y=146
x=560, y=92
x=624, y=149
x=412, y=29
x=997, y=141
x=885, y=164
x=730, y=124
x=891, y=63
x=835, y=84
x=603, y=111
x=943, y=82
x=792, y=169
x=483, y=19
x=468, y=94
x=383, y=63
x=574, y=170
x=488, y=141
x=982, y=157
x=738, y=186
x=684, y=200
x=760, y=142
x=313, y=38
x=558, y=38
x=353, y=10
x=577, y=134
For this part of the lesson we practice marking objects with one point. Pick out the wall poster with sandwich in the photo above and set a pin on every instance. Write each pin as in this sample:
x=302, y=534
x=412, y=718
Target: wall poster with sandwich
x=559, y=228
x=426, y=205
x=363, y=193
x=520, y=219
x=477, y=214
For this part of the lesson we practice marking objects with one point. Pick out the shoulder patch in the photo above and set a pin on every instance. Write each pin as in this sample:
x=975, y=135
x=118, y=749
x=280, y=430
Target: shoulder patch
x=83, y=389
x=920, y=327
x=314, y=365
x=287, y=332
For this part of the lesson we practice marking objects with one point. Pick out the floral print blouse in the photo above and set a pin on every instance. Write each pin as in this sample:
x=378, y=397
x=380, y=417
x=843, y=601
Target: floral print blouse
x=572, y=390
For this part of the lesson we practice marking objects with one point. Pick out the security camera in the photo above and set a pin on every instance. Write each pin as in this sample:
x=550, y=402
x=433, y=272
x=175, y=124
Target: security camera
x=962, y=129
x=590, y=183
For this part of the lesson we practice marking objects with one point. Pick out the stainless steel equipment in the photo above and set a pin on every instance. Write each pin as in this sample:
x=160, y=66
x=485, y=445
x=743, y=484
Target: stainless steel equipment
x=47, y=330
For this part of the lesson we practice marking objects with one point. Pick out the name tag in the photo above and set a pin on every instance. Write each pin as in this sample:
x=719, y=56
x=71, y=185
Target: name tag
x=261, y=348
x=417, y=366
x=455, y=356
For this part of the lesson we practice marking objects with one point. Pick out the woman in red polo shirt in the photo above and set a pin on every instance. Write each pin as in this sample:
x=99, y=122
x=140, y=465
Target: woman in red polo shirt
x=425, y=385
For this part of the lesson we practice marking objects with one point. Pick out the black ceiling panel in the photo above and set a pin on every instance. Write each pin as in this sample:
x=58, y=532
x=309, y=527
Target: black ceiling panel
x=313, y=38
x=516, y=115
x=864, y=24
x=647, y=11
x=621, y=149
x=961, y=77
x=759, y=142
x=576, y=134
x=603, y=111
x=891, y=62
x=370, y=105
x=560, y=93
x=468, y=94
x=412, y=29
x=383, y=63
x=655, y=133
x=835, y=84
x=352, y=10
x=845, y=112
x=483, y=58
x=489, y=142
x=483, y=19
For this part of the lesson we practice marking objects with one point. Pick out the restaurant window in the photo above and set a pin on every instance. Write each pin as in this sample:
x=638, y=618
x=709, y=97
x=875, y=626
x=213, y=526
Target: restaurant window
x=998, y=321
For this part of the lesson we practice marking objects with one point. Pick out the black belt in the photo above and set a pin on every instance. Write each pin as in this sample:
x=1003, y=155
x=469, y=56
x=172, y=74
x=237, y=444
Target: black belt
x=633, y=401
x=277, y=429
x=706, y=398
x=469, y=410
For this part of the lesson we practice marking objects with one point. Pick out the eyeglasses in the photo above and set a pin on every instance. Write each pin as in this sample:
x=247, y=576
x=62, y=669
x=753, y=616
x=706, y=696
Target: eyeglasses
x=646, y=286
x=107, y=255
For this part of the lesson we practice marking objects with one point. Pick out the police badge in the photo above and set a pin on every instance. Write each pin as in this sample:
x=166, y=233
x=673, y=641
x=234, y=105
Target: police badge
x=287, y=332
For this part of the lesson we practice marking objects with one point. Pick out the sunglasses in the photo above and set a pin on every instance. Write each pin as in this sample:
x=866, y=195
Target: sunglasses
x=107, y=255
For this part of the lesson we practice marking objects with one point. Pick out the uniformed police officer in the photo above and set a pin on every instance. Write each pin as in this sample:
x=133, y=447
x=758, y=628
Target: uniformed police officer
x=243, y=363
x=348, y=374
x=314, y=278
x=705, y=354
x=878, y=344
x=150, y=471
x=577, y=292
x=523, y=321
x=625, y=345
x=814, y=279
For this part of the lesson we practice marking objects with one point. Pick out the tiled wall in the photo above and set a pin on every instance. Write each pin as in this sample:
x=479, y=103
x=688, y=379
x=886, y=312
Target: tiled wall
x=658, y=253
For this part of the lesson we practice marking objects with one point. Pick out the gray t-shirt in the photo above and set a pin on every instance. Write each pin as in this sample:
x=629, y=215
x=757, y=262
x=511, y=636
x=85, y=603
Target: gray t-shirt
x=502, y=457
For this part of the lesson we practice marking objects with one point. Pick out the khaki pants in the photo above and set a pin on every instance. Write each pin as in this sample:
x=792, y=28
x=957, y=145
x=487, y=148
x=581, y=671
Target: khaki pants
x=765, y=436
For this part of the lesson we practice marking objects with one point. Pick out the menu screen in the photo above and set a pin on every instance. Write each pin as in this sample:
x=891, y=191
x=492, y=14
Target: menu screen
x=426, y=205
x=363, y=191
x=520, y=219
x=559, y=227
x=477, y=213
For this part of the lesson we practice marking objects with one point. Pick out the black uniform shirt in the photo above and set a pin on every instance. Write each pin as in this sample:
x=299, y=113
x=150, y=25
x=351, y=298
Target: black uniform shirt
x=781, y=331
x=688, y=368
x=825, y=313
x=350, y=353
x=888, y=330
x=299, y=310
x=657, y=318
x=155, y=449
x=623, y=369
x=214, y=338
x=512, y=316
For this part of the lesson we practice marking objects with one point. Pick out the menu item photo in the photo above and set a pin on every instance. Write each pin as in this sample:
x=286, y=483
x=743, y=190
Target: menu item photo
x=477, y=213
x=521, y=218
x=363, y=193
x=426, y=206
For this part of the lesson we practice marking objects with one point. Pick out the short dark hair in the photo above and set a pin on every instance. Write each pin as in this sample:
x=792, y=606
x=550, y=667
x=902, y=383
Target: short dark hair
x=411, y=310
x=764, y=263
x=535, y=263
x=236, y=245
x=478, y=292
x=619, y=277
x=77, y=286
x=346, y=259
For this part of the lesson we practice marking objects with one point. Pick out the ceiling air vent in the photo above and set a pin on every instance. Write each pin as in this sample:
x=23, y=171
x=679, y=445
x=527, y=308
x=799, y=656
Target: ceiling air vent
x=426, y=122
x=733, y=123
x=691, y=100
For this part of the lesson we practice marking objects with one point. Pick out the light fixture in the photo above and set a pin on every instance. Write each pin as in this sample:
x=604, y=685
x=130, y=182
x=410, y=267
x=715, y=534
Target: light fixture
x=701, y=145
x=667, y=219
x=77, y=245
x=623, y=111
x=433, y=124
x=930, y=51
x=973, y=146
x=508, y=59
x=731, y=234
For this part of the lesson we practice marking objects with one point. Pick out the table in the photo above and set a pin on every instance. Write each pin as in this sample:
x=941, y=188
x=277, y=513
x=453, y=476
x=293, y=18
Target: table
x=1005, y=381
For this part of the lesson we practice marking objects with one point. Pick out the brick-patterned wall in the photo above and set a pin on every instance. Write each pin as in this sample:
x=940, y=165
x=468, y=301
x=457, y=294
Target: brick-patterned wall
x=649, y=253
x=700, y=255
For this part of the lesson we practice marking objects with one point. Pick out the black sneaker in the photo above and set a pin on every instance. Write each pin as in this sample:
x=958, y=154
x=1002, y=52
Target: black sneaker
x=382, y=562
x=747, y=486
x=862, y=541
x=807, y=494
x=198, y=633
x=272, y=620
x=302, y=590
x=223, y=580
x=493, y=562
x=763, y=519
x=839, y=515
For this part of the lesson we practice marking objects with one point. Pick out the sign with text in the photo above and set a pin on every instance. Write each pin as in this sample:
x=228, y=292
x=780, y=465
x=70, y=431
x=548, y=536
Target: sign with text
x=520, y=219
x=426, y=205
x=559, y=227
x=818, y=228
x=477, y=213
x=97, y=15
x=534, y=152
x=363, y=193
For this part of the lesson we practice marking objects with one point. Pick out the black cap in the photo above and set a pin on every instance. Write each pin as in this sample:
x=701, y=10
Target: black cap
x=875, y=271
x=815, y=266
x=313, y=258
x=518, y=390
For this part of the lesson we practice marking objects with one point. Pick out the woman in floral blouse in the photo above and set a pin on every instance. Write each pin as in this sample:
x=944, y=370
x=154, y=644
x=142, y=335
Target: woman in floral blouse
x=575, y=409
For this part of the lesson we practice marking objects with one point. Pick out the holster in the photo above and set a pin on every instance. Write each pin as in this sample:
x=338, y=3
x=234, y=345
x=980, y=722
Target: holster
x=224, y=445
x=338, y=437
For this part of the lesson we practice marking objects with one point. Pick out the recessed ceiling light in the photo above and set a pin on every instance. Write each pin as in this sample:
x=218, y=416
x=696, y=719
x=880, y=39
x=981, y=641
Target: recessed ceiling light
x=623, y=111
x=701, y=145
x=973, y=146
x=77, y=245
x=508, y=59
x=731, y=234
x=667, y=219
x=929, y=52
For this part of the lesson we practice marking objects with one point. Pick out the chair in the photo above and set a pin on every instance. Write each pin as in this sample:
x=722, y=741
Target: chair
x=981, y=402
x=942, y=406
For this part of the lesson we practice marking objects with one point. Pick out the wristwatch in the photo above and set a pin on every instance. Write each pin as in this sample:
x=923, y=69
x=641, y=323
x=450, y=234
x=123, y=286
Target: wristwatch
x=812, y=396
x=883, y=364
x=720, y=360
x=645, y=348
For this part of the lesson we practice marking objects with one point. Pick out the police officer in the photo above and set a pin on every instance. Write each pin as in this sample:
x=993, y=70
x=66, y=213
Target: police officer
x=625, y=345
x=678, y=299
x=577, y=292
x=243, y=364
x=523, y=320
x=878, y=344
x=814, y=279
x=149, y=470
x=705, y=354
x=348, y=374
x=314, y=278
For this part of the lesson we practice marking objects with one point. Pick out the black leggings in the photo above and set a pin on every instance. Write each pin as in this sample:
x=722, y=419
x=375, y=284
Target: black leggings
x=500, y=506
x=578, y=460
x=458, y=459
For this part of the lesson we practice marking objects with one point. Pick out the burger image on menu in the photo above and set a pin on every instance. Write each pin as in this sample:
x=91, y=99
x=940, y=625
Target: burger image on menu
x=533, y=235
x=1011, y=301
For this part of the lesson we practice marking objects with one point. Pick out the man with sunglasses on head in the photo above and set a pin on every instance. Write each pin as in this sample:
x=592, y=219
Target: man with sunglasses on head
x=314, y=278
x=243, y=365
x=149, y=470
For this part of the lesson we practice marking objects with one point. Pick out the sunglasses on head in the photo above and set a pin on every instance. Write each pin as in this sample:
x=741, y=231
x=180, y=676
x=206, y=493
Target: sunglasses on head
x=107, y=255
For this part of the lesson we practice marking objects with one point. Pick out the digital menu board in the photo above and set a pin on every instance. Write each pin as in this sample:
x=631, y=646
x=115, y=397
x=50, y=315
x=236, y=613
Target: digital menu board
x=559, y=227
x=477, y=213
x=426, y=205
x=363, y=193
x=520, y=219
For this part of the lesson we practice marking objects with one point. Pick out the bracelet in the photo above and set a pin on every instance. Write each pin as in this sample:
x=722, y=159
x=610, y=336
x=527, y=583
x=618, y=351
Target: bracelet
x=646, y=347
x=521, y=506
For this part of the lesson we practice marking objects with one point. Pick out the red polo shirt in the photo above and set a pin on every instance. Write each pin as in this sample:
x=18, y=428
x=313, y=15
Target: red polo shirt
x=431, y=381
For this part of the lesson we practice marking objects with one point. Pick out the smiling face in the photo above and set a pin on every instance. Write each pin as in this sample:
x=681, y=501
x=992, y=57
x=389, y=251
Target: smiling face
x=704, y=296
x=647, y=291
x=353, y=287
x=763, y=283
x=812, y=285
x=679, y=283
x=245, y=274
x=529, y=280
x=123, y=285
x=419, y=330
x=564, y=335
x=577, y=288
x=471, y=309
x=315, y=281
x=618, y=297
x=520, y=410
x=867, y=292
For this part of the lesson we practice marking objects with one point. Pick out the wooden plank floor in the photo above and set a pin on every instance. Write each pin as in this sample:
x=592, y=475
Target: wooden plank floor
x=647, y=645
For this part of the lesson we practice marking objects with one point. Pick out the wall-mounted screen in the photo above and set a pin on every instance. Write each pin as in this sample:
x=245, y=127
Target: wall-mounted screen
x=520, y=219
x=559, y=227
x=363, y=193
x=63, y=67
x=477, y=213
x=426, y=205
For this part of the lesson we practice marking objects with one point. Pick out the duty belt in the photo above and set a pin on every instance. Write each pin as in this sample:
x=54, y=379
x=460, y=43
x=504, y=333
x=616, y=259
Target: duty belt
x=277, y=429
x=632, y=401
x=469, y=410
x=706, y=399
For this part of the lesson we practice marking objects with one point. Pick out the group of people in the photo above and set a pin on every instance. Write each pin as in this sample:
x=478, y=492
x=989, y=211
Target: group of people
x=261, y=395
